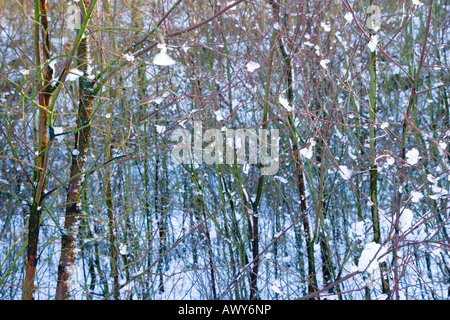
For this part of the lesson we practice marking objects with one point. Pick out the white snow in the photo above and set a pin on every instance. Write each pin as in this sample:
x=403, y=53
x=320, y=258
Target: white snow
x=373, y=43
x=162, y=58
x=52, y=64
x=284, y=103
x=349, y=17
x=439, y=192
x=128, y=57
x=416, y=196
x=326, y=27
x=405, y=220
x=412, y=156
x=160, y=129
x=370, y=257
x=276, y=287
x=74, y=74
x=345, y=172
x=432, y=179
x=324, y=63
x=361, y=228
x=219, y=116
x=25, y=72
x=307, y=152
x=123, y=249
x=281, y=179
x=252, y=66
x=245, y=168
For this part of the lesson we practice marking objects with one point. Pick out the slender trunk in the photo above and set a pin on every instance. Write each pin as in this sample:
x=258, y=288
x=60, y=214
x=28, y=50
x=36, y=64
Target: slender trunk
x=40, y=172
x=210, y=252
x=223, y=191
x=111, y=228
x=160, y=216
x=108, y=171
x=326, y=254
x=259, y=194
x=73, y=206
x=373, y=165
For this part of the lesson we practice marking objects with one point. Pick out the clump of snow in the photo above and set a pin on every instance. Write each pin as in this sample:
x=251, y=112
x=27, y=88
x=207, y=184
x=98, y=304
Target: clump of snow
x=349, y=17
x=308, y=152
x=439, y=192
x=373, y=43
x=123, y=249
x=416, y=196
x=162, y=58
x=432, y=179
x=326, y=27
x=245, y=168
x=52, y=64
x=25, y=72
x=284, y=103
x=219, y=116
x=324, y=63
x=158, y=100
x=371, y=256
x=281, y=179
x=128, y=57
x=405, y=220
x=160, y=129
x=345, y=172
x=276, y=287
x=74, y=74
x=412, y=156
x=252, y=66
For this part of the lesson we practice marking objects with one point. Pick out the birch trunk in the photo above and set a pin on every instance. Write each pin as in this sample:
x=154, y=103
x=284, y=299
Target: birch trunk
x=73, y=206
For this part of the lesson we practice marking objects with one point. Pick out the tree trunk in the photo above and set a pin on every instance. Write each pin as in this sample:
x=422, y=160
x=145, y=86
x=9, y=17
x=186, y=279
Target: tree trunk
x=73, y=205
x=40, y=172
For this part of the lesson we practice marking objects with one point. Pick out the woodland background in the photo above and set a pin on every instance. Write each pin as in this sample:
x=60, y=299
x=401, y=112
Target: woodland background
x=92, y=206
